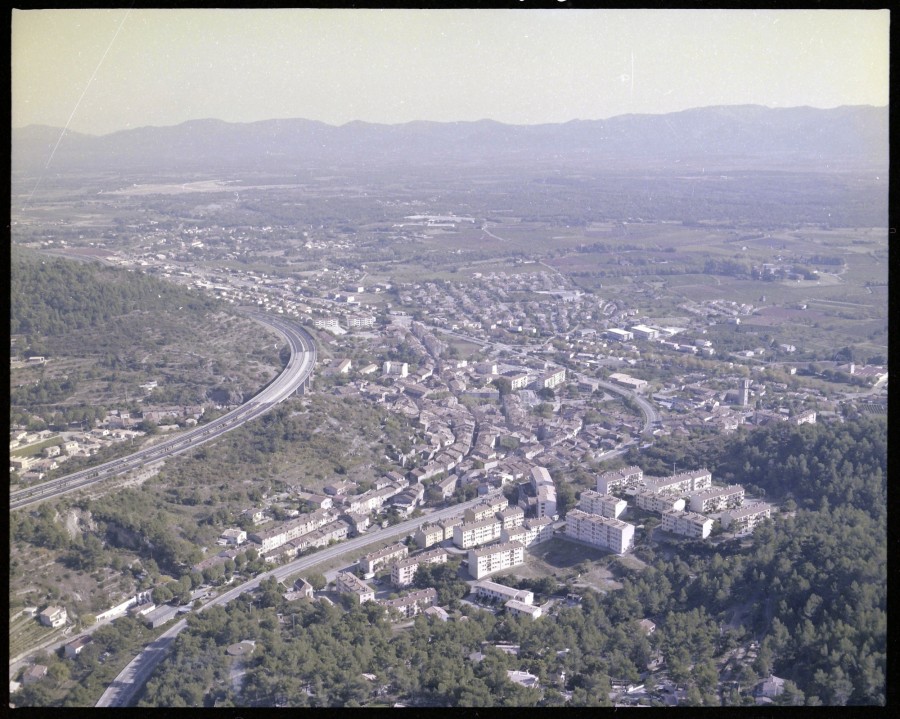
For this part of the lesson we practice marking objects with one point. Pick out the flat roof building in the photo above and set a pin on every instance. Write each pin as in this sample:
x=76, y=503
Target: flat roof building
x=716, y=499
x=619, y=479
x=486, y=589
x=688, y=524
x=474, y=534
x=606, y=505
x=495, y=558
x=603, y=532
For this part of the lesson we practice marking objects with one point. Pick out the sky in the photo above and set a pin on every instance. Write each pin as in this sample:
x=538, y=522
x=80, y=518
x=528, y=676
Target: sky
x=103, y=70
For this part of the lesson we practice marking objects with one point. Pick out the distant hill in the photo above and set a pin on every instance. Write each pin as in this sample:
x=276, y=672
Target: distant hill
x=827, y=139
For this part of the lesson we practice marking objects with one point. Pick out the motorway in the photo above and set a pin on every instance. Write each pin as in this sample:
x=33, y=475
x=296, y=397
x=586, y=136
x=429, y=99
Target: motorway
x=298, y=370
x=123, y=689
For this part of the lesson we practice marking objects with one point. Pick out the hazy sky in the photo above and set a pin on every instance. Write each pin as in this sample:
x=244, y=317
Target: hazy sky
x=105, y=70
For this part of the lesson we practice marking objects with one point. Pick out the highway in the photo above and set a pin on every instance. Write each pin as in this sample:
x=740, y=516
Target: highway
x=298, y=370
x=123, y=689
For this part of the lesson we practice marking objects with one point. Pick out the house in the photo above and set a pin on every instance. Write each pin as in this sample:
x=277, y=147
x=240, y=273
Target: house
x=233, y=536
x=647, y=627
x=303, y=588
x=33, y=674
x=73, y=648
x=771, y=687
x=53, y=617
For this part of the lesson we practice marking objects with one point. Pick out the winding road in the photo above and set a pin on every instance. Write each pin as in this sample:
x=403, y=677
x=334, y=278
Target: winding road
x=295, y=375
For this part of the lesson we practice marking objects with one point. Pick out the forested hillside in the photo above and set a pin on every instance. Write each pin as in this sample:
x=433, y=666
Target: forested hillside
x=811, y=588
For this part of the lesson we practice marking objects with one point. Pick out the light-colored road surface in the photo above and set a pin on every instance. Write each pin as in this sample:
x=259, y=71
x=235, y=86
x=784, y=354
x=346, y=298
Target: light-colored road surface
x=295, y=374
x=123, y=689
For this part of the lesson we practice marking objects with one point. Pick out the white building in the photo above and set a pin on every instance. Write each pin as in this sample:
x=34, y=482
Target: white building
x=606, y=505
x=349, y=583
x=619, y=335
x=659, y=503
x=520, y=609
x=383, y=557
x=612, y=534
x=620, y=479
x=746, y=517
x=545, y=491
x=403, y=572
x=493, y=591
x=681, y=483
x=715, y=499
x=688, y=524
x=474, y=534
x=495, y=558
x=642, y=332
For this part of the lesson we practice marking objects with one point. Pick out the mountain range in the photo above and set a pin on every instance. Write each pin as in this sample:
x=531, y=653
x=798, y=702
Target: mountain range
x=843, y=137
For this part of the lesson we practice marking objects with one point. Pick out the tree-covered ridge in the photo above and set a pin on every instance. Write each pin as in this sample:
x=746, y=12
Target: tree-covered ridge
x=51, y=297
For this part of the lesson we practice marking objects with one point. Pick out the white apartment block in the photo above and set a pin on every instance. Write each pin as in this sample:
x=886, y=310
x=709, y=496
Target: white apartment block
x=619, y=479
x=428, y=535
x=493, y=591
x=532, y=531
x=688, y=524
x=360, y=321
x=326, y=323
x=413, y=603
x=681, y=483
x=518, y=381
x=511, y=517
x=305, y=523
x=495, y=558
x=396, y=369
x=716, y=499
x=604, y=532
x=619, y=335
x=349, y=583
x=546, y=501
x=520, y=609
x=371, y=562
x=474, y=534
x=659, y=503
x=808, y=417
x=746, y=517
x=553, y=378
x=486, y=508
x=606, y=505
x=449, y=524
x=403, y=571
x=643, y=332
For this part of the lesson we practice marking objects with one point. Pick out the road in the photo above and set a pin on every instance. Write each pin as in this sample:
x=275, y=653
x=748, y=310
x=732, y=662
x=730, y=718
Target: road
x=298, y=370
x=123, y=689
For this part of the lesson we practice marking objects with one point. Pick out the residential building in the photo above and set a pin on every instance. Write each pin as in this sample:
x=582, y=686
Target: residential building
x=33, y=674
x=545, y=491
x=620, y=479
x=53, y=616
x=808, y=417
x=326, y=323
x=553, y=378
x=492, y=591
x=518, y=380
x=486, y=508
x=511, y=517
x=604, y=532
x=233, y=536
x=349, y=583
x=716, y=499
x=642, y=332
x=303, y=588
x=746, y=517
x=428, y=535
x=384, y=557
x=681, y=483
x=305, y=523
x=413, y=603
x=473, y=534
x=495, y=558
x=449, y=524
x=606, y=505
x=688, y=524
x=619, y=335
x=73, y=648
x=395, y=369
x=403, y=571
x=448, y=485
x=659, y=503
x=520, y=609
x=628, y=381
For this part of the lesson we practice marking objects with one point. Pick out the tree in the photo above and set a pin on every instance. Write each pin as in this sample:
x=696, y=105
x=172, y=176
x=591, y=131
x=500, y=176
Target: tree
x=316, y=581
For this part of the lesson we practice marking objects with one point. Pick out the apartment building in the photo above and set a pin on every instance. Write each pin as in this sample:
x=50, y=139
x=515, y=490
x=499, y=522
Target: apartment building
x=349, y=583
x=403, y=571
x=659, y=503
x=413, y=603
x=520, y=609
x=305, y=523
x=474, y=534
x=681, y=483
x=495, y=558
x=372, y=562
x=606, y=505
x=428, y=535
x=545, y=492
x=326, y=323
x=747, y=517
x=358, y=321
x=688, y=524
x=554, y=378
x=716, y=499
x=492, y=591
x=603, y=532
x=449, y=524
x=620, y=479
x=486, y=508
x=511, y=517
